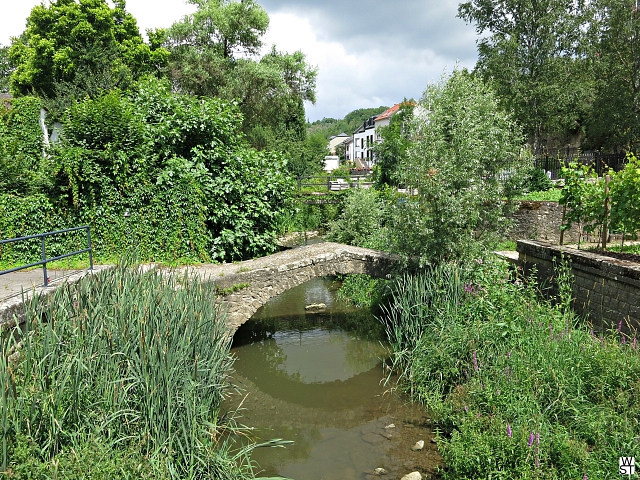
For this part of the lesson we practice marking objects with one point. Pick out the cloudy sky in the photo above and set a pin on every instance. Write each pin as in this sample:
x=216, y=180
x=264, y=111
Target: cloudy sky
x=367, y=53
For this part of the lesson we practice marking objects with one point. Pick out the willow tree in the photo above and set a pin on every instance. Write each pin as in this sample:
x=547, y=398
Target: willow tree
x=464, y=156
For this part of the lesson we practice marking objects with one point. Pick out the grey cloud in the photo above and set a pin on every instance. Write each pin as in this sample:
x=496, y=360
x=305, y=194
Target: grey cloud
x=390, y=26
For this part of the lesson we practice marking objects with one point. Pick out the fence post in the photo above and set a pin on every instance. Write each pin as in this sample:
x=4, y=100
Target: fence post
x=564, y=215
x=90, y=248
x=607, y=208
x=44, y=265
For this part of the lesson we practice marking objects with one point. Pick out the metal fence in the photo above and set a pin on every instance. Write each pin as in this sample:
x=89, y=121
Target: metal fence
x=554, y=161
x=46, y=260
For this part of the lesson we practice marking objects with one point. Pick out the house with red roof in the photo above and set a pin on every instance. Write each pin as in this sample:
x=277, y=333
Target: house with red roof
x=367, y=135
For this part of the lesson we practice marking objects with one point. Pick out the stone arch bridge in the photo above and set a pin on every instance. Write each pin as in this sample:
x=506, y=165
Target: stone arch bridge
x=249, y=284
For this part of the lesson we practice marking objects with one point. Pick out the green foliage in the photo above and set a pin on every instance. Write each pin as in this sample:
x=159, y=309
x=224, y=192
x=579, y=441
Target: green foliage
x=363, y=221
x=395, y=144
x=21, y=146
x=531, y=53
x=584, y=195
x=86, y=46
x=625, y=198
x=516, y=388
x=211, y=55
x=135, y=387
x=363, y=291
x=166, y=173
x=537, y=181
x=462, y=162
x=552, y=195
x=614, y=119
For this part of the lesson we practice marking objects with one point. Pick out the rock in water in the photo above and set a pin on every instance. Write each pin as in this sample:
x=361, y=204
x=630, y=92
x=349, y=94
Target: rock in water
x=314, y=307
x=412, y=476
x=380, y=471
x=418, y=446
x=391, y=425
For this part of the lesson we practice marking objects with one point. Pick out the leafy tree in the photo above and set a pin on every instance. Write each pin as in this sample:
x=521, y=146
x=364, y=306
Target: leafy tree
x=395, y=144
x=71, y=41
x=464, y=147
x=531, y=53
x=213, y=54
x=615, y=118
x=6, y=68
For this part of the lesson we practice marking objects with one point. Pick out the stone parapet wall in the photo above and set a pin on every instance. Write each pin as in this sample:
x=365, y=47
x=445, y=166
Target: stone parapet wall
x=540, y=221
x=605, y=290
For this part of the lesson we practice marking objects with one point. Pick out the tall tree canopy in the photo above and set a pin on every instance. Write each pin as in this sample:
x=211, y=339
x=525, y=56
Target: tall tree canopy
x=214, y=53
x=533, y=58
x=615, y=118
x=75, y=42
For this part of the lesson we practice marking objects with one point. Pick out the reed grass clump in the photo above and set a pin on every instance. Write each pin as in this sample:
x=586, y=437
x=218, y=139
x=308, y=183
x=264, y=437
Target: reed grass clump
x=120, y=376
x=520, y=388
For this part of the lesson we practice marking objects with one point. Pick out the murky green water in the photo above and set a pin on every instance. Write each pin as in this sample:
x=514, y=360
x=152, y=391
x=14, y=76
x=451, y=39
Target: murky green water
x=316, y=379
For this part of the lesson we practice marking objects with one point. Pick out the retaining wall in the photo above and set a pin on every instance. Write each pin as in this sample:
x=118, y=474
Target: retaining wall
x=540, y=221
x=605, y=290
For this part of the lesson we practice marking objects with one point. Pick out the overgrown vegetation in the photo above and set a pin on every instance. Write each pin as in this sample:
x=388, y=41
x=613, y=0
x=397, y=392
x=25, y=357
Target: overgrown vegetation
x=120, y=376
x=517, y=386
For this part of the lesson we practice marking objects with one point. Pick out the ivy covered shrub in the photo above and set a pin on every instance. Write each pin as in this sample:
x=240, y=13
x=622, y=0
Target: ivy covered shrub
x=168, y=174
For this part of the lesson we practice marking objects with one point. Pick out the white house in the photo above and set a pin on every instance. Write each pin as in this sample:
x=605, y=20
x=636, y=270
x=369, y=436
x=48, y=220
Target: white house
x=367, y=135
x=336, y=140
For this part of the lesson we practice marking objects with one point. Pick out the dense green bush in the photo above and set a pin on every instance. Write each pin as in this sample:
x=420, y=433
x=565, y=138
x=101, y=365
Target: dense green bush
x=169, y=174
x=517, y=387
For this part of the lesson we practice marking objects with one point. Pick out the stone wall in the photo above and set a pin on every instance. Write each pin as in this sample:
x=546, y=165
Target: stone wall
x=605, y=290
x=540, y=221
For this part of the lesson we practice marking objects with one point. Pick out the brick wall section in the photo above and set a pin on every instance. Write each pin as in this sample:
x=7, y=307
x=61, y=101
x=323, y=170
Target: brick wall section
x=540, y=221
x=605, y=290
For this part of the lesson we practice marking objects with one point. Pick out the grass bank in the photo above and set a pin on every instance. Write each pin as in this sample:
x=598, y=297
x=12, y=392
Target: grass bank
x=520, y=388
x=121, y=375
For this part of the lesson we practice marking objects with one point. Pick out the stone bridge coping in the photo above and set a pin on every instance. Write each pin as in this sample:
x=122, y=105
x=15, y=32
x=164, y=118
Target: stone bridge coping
x=260, y=279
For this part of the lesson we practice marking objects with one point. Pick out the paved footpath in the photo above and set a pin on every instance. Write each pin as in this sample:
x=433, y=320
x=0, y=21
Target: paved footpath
x=14, y=283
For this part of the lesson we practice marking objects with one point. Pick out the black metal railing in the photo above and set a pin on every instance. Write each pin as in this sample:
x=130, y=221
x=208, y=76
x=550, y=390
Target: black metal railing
x=554, y=161
x=46, y=260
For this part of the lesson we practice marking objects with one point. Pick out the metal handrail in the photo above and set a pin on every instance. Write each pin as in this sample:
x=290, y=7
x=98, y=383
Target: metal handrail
x=46, y=260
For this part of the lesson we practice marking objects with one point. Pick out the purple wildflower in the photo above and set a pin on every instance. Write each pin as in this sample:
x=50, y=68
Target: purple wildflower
x=620, y=325
x=509, y=354
x=508, y=430
x=466, y=410
x=530, y=441
x=585, y=477
x=537, y=462
x=624, y=340
x=538, y=438
x=633, y=345
x=498, y=392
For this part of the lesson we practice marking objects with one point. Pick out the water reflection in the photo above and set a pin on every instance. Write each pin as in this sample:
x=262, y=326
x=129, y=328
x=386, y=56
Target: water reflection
x=316, y=379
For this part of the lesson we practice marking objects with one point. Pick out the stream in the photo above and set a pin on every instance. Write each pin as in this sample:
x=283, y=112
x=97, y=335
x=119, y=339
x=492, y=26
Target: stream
x=317, y=379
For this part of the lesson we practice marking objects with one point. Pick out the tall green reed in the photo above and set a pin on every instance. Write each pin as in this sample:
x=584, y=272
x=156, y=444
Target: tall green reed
x=128, y=357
